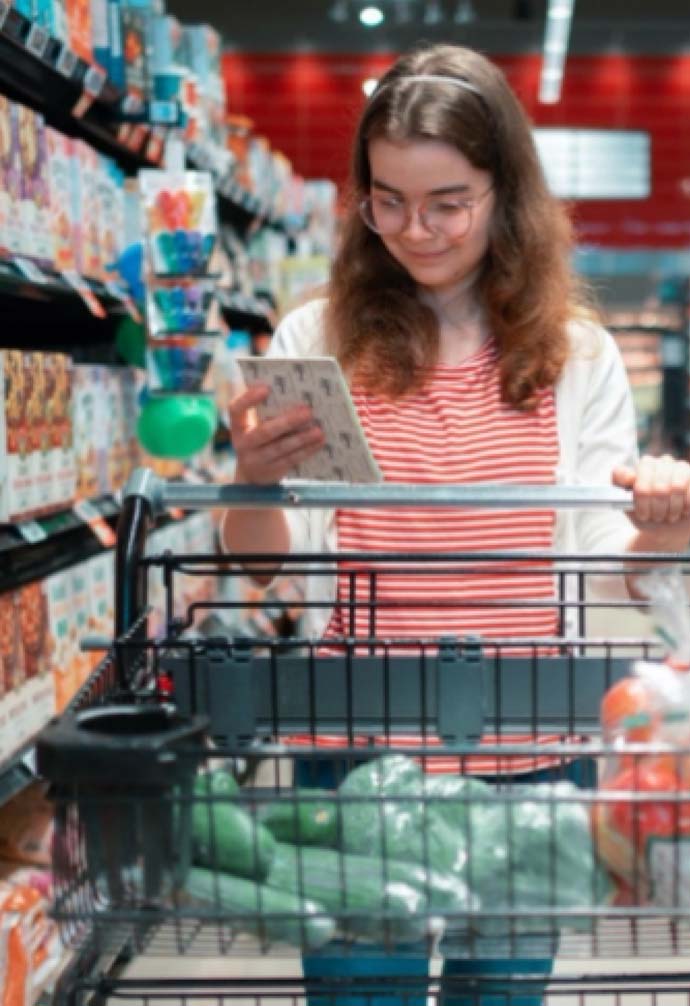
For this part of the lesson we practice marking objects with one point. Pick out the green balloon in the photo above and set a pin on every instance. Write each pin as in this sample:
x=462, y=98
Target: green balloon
x=176, y=425
x=130, y=342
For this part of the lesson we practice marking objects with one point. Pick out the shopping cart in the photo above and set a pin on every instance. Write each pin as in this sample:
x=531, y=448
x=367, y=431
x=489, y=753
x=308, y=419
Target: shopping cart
x=158, y=852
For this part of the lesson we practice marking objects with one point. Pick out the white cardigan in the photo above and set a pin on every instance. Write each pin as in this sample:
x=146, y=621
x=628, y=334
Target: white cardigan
x=596, y=432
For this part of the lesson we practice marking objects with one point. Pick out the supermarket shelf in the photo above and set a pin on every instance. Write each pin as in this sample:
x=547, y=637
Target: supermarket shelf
x=247, y=313
x=236, y=206
x=48, y=314
x=34, y=549
x=74, y=96
x=17, y=773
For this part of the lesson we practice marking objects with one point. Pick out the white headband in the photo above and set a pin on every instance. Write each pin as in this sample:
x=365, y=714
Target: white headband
x=437, y=78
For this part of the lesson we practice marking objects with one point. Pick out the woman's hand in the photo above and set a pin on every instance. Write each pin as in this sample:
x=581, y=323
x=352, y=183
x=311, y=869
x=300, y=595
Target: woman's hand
x=661, y=502
x=268, y=451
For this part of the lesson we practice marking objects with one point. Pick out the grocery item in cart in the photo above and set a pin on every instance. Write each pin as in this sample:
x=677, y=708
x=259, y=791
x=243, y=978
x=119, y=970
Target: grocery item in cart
x=224, y=835
x=271, y=916
x=370, y=898
x=523, y=849
x=304, y=817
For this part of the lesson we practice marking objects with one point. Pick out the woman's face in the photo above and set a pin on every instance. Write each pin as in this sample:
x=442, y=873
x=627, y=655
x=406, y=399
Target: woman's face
x=430, y=173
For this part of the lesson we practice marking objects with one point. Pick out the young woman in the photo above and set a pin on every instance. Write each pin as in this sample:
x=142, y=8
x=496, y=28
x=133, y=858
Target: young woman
x=470, y=354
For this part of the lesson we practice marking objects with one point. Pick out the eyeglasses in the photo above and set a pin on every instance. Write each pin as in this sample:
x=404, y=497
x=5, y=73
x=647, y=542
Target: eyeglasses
x=387, y=214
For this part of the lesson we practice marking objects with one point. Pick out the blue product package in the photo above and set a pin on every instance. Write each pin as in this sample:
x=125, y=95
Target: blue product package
x=25, y=7
x=116, y=66
x=51, y=14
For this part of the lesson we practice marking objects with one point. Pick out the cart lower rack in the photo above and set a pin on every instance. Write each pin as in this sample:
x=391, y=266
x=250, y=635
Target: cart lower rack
x=413, y=798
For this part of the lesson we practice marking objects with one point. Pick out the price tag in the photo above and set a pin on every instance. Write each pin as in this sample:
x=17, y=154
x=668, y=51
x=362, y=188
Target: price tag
x=155, y=147
x=80, y=286
x=4, y=11
x=94, y=81
x=32, y=532
x=87, y=512
x=164, y=113
x=136, y=138
x=66, y=62
x=118, y=293
x=123, y=133
x=30, y=270
x=37, y=40
x=132, y=105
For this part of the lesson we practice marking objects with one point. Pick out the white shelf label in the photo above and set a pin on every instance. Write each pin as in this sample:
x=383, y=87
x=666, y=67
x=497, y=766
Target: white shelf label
x=37, y=40
x=66, y=62
x=32, y=532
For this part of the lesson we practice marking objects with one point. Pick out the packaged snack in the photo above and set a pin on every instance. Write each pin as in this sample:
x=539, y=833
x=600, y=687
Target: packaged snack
x=10, y=188
x=60, y=167
x=26, y=827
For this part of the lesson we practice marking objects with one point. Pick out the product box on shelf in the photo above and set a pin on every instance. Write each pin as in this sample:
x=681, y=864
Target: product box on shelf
x=10, y=177
x=81, y=614
x=62, y=635
x=101, y=575
x=79, y=28
x=39, y=689
x=60, y=167
x=113, y=451
x=61, y=428
x=89, y=419
x=34, y=207
x=51, y=14
x=17, y=461
x=12, y=673
x=78, y=204
x=109, y=212
x=40, y=411
x=28, y=698
x=25, y=7
x=89, y=237
x=136, y=23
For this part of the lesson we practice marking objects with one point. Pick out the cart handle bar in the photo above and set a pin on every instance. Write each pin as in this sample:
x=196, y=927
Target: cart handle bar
x=327, y=495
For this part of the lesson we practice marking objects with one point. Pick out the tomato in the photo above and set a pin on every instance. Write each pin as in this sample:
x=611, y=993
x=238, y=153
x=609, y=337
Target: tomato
x=653, y=818
x=629, y=699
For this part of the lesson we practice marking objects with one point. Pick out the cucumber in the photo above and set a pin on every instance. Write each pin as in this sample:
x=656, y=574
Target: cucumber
x=224, y=836
x=270, y=915
x=305, y=817
x=218, y=781
x=365, y=901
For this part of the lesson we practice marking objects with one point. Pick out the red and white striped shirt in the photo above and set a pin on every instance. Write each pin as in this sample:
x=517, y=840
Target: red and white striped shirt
x=456, y=430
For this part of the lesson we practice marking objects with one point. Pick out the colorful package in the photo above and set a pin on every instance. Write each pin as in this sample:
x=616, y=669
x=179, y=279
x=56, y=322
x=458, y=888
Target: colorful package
x=180, y=212
x=60, y=167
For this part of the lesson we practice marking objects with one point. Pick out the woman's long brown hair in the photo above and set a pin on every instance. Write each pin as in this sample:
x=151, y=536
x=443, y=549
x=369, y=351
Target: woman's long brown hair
x=376, y=325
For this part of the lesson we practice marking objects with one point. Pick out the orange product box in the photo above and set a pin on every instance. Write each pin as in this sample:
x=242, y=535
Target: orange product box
x=12, y=673
x=79, y=28
x=26, y=827
x=33, y=622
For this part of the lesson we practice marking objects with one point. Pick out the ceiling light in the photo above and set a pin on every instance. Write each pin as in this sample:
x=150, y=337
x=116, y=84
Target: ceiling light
x=371, y=17
x=556, y=38
x=369, y=86
x=433, y=14
x=464, y=12
x=338, y=11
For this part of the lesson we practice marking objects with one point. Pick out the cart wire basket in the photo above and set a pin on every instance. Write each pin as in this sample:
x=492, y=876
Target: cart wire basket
x=411, y=798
